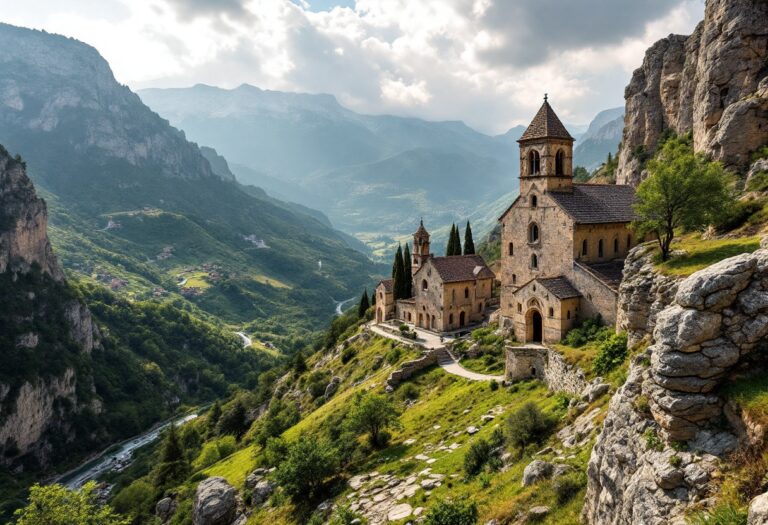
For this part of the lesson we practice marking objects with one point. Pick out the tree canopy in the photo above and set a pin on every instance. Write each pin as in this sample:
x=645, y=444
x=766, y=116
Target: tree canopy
x=372, y=414
x=307, y=464
x=684, y=190
x=364, y=304
x=57, y=505
x=454, y=242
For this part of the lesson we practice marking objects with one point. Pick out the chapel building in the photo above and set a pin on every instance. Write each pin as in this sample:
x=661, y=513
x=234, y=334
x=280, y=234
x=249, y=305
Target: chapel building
x=449, y=293
x=563, y=243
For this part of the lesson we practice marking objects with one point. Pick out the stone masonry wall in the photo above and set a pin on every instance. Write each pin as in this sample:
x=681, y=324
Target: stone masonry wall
x=531, y=362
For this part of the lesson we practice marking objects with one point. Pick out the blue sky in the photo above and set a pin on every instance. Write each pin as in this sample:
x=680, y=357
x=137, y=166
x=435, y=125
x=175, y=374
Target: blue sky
x=485, y=62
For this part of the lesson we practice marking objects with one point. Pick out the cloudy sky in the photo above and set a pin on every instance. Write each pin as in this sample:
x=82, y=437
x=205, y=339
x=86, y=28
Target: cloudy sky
x=486, y=62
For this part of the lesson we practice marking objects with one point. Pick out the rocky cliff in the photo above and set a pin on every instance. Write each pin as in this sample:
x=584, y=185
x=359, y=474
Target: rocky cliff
x=43, y=327
x=702, y=328
x=711, y=84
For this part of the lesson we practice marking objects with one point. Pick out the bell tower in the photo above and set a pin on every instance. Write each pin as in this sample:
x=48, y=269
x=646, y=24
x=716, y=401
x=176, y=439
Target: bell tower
x=546, y=153
x=420, y=247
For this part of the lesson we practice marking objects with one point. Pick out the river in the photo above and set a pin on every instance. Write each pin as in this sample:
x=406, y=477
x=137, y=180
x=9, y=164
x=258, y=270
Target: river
x=115, y=455
x=340, y=304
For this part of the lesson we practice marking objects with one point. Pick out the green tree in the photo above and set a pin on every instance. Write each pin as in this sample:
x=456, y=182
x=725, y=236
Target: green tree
x=307, y=464
x=528, y=425
x=580, y=174
x=451, y=246
x=372, y=414
x=299, y=363
x=213, y=417
x=407, y=264
x=172, y=466
x=456, y=241
x=683, y=190
x=364, y=304
x=469, y=242
x=398, y=275
x=234, y=420
x=452, y=512
x=56, y=505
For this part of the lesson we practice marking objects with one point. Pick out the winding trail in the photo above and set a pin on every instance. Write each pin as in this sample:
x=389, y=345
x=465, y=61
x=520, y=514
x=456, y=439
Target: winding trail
x=246, y=340
x=340, y=304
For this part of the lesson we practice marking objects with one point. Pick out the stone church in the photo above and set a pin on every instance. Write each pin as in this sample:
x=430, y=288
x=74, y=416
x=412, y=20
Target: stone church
x=449, y=293
x=563, y=243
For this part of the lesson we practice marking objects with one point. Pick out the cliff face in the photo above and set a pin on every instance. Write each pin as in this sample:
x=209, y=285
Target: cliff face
x=711, y=83
x=703, y=326
x=43, y=326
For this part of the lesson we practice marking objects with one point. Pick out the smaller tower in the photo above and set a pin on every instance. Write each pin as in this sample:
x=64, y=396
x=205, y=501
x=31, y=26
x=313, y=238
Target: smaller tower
x=420, y=247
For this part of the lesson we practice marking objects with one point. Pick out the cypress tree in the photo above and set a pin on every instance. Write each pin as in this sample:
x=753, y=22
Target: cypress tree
x=469, y=243
x=408, y=271
x=451, y=241
x=456, y=241
x=373, y=298
x=398, y=286
x=364, y=304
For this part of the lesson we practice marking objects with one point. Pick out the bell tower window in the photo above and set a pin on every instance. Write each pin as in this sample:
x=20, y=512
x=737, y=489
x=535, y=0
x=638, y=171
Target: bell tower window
x=534, y=162
x=560, y=162
x=534, y=261
x=533, y=232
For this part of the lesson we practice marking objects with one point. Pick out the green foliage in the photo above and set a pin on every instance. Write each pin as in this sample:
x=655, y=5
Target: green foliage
x=308, y=463
x=528, y=425
x=408, y=271
x=407, y=391
x=452, y=512
x=214, y=451
x=744, y=211
x=568, y=485
x=399, y=284
x=136, y=500
x=761, y=153
x=723, y=514
x=477, y=457
x=758, y=182
x=590, y=330
x=580, y=174
x=393, y=355
x=173, y=466
x=280, y=416
x=683, y=190
x=364, y=304
x=675, y=461
x=348, y=354
x=234, y=420
x=56, y=505
x=344, y=516
x=469, y=242
x=611, y=353
x=652, y=440
x=372, y=414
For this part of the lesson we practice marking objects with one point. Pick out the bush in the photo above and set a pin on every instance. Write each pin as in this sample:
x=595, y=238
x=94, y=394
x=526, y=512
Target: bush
x=393, y=355
x=344, y=516
x=494, y=385
x=741, y=212
x=476, y=457
x=348, y=354
x=372, y=414
x=407, y=391
x=653, y=441
x=528, y=425
x=723, y=514
x=448, y=512
x=588, y=331
x=567, y=486
x=308, y=463
x=611, y=353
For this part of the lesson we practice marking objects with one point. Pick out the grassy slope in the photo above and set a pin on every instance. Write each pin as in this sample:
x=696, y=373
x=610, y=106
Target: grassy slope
x=446, y=406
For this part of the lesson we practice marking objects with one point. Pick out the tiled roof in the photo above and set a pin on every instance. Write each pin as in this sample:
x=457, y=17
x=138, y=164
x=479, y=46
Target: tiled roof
x=422, y=231
x=560, y=287
x=597, y=203
x=545, y=125
x=456, y=268
x=609, y=273
x=388, y=284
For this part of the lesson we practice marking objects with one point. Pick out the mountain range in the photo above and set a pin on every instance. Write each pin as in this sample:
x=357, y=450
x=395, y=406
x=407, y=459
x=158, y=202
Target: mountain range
x=137, y=206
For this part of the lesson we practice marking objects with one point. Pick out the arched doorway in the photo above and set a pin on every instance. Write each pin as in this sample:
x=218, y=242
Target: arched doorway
x=379, y=316
x=462, y=319
x=534, y=326
x=421, y=321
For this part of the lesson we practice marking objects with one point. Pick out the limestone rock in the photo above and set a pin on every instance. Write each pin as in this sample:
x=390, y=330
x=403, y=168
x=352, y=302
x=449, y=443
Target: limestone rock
x=262, y=491
x=215, y=502
x=537, y=470
x=165, y=509
x=758, y=510
x=538, y=513
x=400, y=512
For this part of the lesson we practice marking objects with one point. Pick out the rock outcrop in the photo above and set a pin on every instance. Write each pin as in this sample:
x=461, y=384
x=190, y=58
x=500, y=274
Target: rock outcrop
x=215, y=503
x=39, y=316
x=711, y=83
x=718, y=316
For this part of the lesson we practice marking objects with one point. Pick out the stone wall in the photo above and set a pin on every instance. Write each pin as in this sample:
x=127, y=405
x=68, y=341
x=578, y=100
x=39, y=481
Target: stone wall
x=409, y=368
x=598, y=298
x=532, y=362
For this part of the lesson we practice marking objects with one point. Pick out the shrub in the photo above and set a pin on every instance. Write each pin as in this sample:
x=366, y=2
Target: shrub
x=393, y=355
x=675, y=461
x=528, y=425
x=723, y=514
x=652, y=440
x=308, y=463
x=348, y=354
x=344, y=516
x=407, y=391
x=567, y=486
x=611, y=353
x=590, y=330
x=642, y=406
x=372, y=414
x=476, y=457
x=744, y=209
x=494, y=385
x=448, y=512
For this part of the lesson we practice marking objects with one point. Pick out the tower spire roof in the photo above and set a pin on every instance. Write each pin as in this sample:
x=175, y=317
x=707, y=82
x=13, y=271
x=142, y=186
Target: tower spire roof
x=545, y=124
x=422, y=231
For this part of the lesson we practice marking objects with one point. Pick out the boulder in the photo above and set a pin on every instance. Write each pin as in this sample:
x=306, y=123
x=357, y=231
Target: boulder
x=538, y=513
x=399, y=512
x=165, y=509
x=536, y=471
x=758, y=510
x=215, y=502
x=262, y=491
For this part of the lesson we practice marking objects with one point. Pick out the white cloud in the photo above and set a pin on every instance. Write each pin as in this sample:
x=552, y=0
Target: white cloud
x=473, y=60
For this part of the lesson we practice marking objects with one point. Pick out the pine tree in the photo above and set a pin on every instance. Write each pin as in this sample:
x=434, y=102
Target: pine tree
x=450, y=248
x=173, y=466
x=456, y=241
x=610, y=159
x=469, y=243
x=299, y=363
x=398, y=286
x=408, y=271
x=364, y=304
x=213, y=417
x=373, y=298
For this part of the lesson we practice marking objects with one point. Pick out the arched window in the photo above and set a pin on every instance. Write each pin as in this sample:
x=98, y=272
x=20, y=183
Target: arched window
x=616, y=246
x=560, y=162
x=533, y=232
x=584, y=247
x=534, y=162
x=511, y=249
x=629, y=242
x=424, y=284
x=600, y=248
x=466, y=293
x=551, y=312
x=450, y=318
x=569, y=314
x=534, y=201
x=534, y=261
x=514, y=278
x=480, y=307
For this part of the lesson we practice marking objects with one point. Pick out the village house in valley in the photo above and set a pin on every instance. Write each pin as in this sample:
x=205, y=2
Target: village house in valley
x=563, y=244
x=449, y=293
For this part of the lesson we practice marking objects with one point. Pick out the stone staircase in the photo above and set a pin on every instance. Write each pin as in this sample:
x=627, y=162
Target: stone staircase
x=444, y=356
